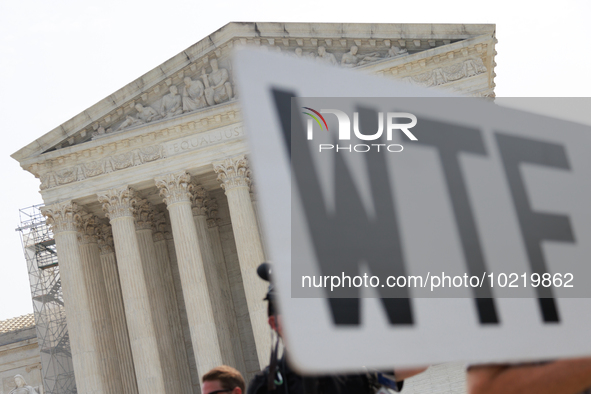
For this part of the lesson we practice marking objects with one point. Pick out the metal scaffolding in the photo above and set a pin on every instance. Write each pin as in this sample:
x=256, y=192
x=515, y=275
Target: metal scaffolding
x=48, y=303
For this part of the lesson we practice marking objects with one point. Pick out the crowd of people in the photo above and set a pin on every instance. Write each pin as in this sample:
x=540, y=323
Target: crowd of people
x=555, y=377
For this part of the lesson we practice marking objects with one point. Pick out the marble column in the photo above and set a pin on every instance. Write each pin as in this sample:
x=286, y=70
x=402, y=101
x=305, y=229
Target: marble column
x=176, y=275
x=234, y=177
x=144, y=216
x=118, y=205
x=115, y=299
x=99, y=306
x=169, y=297
x=175, y=188
x=88, y=361
x=217, y=281
x=245, y=340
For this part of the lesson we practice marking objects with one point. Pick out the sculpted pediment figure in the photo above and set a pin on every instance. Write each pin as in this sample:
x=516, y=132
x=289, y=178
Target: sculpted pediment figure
x=395, y=51
x=217, y=84
x=22, y=387
x=369, y=58
x=146, y=114
x=171, y=103
x=326, y=57
x=193, y=95
x=350, y=59
x=129, y=121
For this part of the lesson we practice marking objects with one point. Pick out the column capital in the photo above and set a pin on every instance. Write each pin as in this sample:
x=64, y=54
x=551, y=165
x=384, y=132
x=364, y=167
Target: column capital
x=211, y=223
x=160, y=229
x=233, y=172
x=168, y=236
x=88, y=228
x=105, y=238
x=118, y=202
x=200, y=200
x=175, y=187
x=63, y=216
x=143, y=214
x=212, y=213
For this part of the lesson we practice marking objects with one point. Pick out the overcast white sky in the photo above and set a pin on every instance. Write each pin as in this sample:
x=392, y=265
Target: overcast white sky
x=59, y=57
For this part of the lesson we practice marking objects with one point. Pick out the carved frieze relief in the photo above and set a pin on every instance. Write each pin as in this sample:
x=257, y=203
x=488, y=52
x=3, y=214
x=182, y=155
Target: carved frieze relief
x=442, y=75
x=105, y=165
x=79, y=166
x=136, y=157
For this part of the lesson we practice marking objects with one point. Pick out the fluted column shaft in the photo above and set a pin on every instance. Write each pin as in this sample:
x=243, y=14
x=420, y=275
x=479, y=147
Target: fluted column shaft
x=115, y=298
x=173, y=317
x=98, y=304
x=63, y=218
x=217, y=281
x=245, y=339
x=142, y=334
x=195, y=382
x=175, y=190
x=234, y=176
x=159, y=312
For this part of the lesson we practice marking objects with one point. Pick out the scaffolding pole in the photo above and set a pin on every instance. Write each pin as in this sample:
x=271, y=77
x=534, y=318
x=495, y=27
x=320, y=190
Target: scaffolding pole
x=48, y=303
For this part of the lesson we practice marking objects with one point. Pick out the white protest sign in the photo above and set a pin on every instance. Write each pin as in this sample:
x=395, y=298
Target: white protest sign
x=417, y=229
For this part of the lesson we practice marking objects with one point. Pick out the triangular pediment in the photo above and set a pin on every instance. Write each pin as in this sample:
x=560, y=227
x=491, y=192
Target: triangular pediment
x=423, y=54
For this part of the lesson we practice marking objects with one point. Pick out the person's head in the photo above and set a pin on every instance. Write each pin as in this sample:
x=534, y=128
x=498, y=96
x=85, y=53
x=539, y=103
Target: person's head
x=222, y=380
x=298, y=51
x=139, y=107
x=321, y=51
x=173, y=89
x=214, y=64
x=20, y=381
x=354, y=49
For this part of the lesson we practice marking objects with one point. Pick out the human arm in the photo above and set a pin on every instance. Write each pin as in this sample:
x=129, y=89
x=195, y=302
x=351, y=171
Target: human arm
x=558, y=377
x=402, y=374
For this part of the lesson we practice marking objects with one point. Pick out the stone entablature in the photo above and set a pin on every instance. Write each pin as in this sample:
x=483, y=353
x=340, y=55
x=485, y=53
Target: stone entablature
x=153, y=141
x=137, y=146
x=337, y=39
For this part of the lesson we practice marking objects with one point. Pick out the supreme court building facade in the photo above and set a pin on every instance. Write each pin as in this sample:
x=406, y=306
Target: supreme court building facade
x=153, y=206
